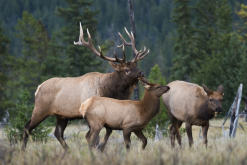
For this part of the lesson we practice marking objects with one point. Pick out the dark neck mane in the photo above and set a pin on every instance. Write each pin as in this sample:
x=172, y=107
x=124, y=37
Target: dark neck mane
x=118, y=86
x=204, y=112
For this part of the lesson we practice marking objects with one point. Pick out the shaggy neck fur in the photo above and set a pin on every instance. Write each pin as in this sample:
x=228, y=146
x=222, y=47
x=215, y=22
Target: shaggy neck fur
x=204, y=111
x=118, y=85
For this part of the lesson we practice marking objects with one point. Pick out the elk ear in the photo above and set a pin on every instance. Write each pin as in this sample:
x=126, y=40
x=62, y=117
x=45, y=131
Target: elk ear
x=145, y=84
x=115, y=66
x=221, y=89
x=209, y=92
x=205, y=88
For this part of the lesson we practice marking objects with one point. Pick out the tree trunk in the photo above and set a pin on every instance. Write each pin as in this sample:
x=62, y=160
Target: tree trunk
x=132, y=24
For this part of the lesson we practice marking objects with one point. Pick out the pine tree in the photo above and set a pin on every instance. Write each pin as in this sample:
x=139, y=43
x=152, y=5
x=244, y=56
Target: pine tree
x=186, y=56
x=79, y=60
x=35, y=40
x=221, y=60
x=5, y=66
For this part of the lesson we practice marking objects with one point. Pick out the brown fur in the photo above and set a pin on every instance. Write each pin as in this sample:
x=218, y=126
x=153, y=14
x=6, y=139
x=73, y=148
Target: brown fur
x=62, y=97
x=190, y=103
x=129, y=116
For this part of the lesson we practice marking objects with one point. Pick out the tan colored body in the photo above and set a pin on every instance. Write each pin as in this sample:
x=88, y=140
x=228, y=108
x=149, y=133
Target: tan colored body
x=189, y=103
x=117, y=114
x=63, y=97
x=57, y=99
x=129, y=116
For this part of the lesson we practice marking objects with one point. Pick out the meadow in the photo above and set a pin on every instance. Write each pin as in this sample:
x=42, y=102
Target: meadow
x=220, y=150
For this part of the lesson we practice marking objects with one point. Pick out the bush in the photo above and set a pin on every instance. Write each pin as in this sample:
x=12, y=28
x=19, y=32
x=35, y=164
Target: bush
x=15, y=130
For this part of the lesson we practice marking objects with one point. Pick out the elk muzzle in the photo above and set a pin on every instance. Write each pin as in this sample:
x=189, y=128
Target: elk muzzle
x=142, y=74
x=218, y=110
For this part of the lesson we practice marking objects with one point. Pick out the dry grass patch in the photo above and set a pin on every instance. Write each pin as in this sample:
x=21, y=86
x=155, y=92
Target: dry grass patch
x=220, y=150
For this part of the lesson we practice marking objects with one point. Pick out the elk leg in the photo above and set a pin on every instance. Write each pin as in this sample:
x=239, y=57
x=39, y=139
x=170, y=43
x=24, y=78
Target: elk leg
x=29, y=126
x=92, y=137
x=179, y=123
x=101, y=146
x=174, y=130
x=61, y=125
x=140, y=135
x=126, y=134
x=87, y=136
x=205, y=132
x=189, y=133
x=172, y=133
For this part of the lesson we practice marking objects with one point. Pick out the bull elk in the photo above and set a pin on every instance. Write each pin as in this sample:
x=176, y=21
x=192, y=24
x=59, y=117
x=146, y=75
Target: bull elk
x=62, y=97
x=129, y=116
x=192, y=104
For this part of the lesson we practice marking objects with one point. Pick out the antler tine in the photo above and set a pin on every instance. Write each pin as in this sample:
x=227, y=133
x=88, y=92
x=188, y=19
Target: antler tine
x=142, y=52
x=89, y=45
x=124, y=56
x=139, y=55
x=131, y=43
x=143, y=56
x=117, y=59
x=80, y=37
x=124, y=42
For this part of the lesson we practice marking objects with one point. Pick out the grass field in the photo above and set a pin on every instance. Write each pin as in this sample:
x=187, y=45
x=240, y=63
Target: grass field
x=220, y=150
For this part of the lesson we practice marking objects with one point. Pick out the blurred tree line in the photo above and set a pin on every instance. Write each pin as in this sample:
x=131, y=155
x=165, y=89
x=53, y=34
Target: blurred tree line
x=201, y=41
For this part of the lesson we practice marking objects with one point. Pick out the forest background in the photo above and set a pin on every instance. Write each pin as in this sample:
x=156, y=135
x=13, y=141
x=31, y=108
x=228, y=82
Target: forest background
x=199, y=41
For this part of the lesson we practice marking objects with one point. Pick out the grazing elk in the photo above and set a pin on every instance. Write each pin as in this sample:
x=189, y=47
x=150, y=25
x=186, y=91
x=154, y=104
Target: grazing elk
x=63, y=97
x=129, y=116
x=192, y=104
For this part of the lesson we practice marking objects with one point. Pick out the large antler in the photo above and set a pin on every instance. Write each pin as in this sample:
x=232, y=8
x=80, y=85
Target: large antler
x=89, y=45
x=139, y=54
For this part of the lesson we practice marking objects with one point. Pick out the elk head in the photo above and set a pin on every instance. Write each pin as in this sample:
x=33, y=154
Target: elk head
x=215, y=98
x=154, y=89
x=128, y=69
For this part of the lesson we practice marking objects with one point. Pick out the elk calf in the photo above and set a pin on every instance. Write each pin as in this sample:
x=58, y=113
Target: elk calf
x=192, y=104
x=129, y=116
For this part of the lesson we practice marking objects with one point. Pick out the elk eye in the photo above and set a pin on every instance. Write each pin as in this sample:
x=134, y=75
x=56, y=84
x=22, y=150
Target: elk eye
x=127, y=70
x=157, y=87
x=210, y=99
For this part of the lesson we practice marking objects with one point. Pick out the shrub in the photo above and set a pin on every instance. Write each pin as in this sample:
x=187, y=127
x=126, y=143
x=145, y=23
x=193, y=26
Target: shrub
x=15, y=130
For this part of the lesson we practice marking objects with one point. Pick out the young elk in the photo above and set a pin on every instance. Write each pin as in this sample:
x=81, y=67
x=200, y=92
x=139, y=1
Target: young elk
x=192, y=104
x=63, y=97
x=129, y=116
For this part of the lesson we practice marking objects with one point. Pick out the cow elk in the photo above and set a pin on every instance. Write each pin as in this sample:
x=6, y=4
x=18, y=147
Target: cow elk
x=62, y=97
x=192, y=104
x=129, y=116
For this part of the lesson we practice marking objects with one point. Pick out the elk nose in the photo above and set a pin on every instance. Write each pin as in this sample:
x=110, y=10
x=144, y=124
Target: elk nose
x=218, y=109
x=142, y=74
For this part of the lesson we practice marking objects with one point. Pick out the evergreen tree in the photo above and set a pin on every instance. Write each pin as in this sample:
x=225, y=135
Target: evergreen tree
x=162, y=117
x=241, y=27
x=186, y=55
x=5, y=66
x=35, y=42
x=79, y=60
x=24, y=110
x=221, y=61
